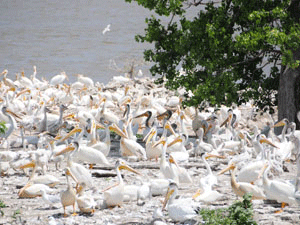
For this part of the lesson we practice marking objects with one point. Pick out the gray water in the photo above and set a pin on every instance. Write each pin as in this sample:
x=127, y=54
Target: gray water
x=66, y=35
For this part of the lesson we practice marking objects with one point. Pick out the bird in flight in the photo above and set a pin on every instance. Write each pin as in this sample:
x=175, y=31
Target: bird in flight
x=106, y=29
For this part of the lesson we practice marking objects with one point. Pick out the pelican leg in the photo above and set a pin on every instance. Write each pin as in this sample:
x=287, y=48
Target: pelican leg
x=283, y=204
x=74, y=211
x=65, y=215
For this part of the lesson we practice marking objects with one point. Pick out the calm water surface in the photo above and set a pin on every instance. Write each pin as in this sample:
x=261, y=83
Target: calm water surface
x=67, y=36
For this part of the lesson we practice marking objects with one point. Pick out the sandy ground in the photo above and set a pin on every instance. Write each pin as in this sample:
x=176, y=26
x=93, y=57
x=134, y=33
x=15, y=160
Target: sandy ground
x=35, y=211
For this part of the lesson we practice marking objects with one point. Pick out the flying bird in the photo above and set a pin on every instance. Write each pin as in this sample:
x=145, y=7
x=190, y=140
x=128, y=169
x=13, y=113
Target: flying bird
x=106, y=29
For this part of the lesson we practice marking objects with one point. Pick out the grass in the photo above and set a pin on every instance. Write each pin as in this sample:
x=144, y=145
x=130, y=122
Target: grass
x=2, y=205
x=2, y=127
x=240, y=212
x=16, y=214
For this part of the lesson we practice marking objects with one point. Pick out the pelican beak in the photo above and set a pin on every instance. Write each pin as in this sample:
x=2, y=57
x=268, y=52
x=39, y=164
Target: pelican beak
x=28, y=165
x=70, y=116
x=230, y=167
x=58, y=136
x=183, y=117
x=198, y=193
x=161, y=141
x=13, y=114
x=126, y=167
x=125, y=102
x=50, y=100
x=75, y=130
x=149, y=135
x=169, y=193
x=241, y=135
x=263, y=170
x=162, y=116
x=117, y=130
x=69, y=148
x=79, y=189
x=244, y=137
x=208, y=155
x=279, y=124
x=170, y=128
x=207, y=129
x=99, y=126
x=146, y=114
x=172, y=160
x=264, y=140
x=68, y=173
x=227, y=120
x=23, y=91
x=177, y=139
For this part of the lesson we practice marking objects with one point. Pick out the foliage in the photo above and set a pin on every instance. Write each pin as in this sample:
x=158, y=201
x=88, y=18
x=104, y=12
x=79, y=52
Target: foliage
x=2, y=205
x=3, y=127
x=240, y=212
x=139, y=136
x=16, y=214
x=223, y=50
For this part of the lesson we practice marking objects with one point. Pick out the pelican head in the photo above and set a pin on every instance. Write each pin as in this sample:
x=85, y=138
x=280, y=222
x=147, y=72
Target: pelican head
x=71, y=147
x=28, y=165
x=232, y=166
x=122, y=165
x=171, y=193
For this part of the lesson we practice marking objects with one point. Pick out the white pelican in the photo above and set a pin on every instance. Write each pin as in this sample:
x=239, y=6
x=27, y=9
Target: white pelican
x=129, y=147
x=210, y=179
x=282, y=192
x=38, y=84
x=85, y=202
x=151, y=151
x=49, y=199
x=58, y=79
x=180, y=154
x=54, y=126
x=87, y=154
x=85, y=80
x=25, y=81
x=165, y=168
x=68, y=197
x=31, y=190
x=104, y=146
x=46, y=179
x=241, y=188
x=81, y=173
x=12, y=123
x=8, y=82
x=182, y=173
x=202, y=146
x=179, y=210
x=114, y=195
x=285, y=146
x=250, y=172
x=205, y=193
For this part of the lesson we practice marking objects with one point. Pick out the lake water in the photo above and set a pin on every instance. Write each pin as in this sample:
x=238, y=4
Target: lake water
x=67, y=36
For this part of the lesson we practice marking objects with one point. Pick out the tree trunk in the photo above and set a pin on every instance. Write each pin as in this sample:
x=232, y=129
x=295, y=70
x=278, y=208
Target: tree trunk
x=289, y=93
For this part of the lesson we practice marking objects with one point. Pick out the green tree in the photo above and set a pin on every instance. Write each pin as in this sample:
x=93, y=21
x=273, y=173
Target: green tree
x=231, y=51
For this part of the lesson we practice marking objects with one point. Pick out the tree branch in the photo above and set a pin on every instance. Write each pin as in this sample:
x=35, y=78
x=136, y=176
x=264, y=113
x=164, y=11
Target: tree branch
x=199, y=2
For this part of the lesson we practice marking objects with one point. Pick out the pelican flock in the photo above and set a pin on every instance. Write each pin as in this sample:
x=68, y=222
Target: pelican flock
x=66, y=143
